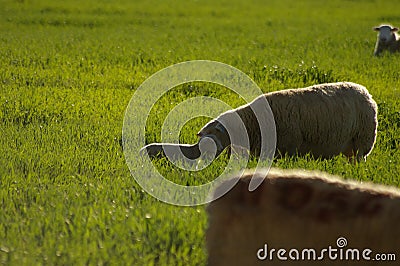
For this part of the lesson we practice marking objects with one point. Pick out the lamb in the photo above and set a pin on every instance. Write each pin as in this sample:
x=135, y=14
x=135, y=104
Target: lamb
x=323, y=120
x=387, y=39
x=302, y=210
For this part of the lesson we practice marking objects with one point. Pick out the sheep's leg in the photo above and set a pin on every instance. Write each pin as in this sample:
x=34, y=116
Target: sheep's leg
x=350, y=152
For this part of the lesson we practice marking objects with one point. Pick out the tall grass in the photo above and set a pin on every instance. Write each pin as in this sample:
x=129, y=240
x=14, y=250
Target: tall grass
x=68, y=70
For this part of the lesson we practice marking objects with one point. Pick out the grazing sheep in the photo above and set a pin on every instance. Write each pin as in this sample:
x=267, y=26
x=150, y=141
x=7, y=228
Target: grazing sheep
x=387, y=39
x=324, y=120
x=298, y=209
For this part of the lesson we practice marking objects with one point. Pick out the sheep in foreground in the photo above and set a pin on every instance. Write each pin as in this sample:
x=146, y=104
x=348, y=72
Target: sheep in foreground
x=302, y=210
x=324, y=120
x=387, y=39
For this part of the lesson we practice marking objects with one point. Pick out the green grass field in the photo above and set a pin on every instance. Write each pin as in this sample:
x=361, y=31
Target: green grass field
x=69, y=68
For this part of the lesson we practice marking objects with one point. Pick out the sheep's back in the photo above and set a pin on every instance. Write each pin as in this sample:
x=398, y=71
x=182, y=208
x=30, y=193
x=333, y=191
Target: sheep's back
x=326, y=114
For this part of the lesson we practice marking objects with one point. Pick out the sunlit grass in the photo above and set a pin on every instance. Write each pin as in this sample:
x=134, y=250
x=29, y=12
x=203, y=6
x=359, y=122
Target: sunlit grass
x=68, y=70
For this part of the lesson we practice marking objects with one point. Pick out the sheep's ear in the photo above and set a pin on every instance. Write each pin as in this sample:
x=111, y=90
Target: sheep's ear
x=376, y=28
x=201, y=132
x=394, y=29
x=207, y=129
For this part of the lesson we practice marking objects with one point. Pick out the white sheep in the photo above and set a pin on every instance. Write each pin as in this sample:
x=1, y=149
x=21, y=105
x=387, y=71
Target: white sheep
x=298, y=209
x=323, y=120
x=387, y=39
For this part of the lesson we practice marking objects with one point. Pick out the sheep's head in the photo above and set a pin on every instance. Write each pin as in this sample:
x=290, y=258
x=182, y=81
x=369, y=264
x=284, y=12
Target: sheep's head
x=386, y=33
x=216, y=131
